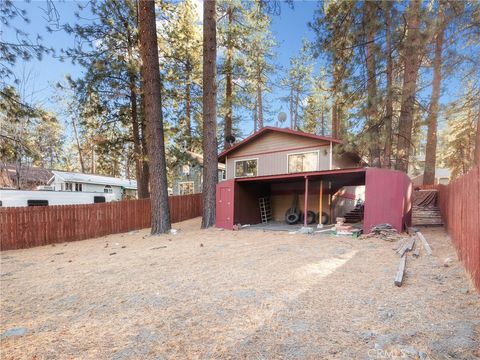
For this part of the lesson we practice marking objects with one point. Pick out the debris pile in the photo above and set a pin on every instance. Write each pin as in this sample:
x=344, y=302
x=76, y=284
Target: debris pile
x=341, y=228
x=385, y=232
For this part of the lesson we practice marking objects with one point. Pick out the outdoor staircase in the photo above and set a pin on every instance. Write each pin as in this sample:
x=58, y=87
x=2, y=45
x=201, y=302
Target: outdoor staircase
x=425, y=211
x=426, y=216
x=355, y=215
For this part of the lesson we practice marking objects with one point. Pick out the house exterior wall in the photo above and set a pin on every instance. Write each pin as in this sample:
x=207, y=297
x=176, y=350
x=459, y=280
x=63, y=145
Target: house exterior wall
x=271, y=151
x=276, y=141
x=194, y=175
x=276, y=162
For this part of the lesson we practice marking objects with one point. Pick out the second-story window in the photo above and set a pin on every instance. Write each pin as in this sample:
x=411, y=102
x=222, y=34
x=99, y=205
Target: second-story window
x=244, y=168
x=302, y=162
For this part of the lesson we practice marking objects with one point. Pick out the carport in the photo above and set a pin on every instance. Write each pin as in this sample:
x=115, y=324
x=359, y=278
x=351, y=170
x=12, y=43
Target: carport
x=387, y=195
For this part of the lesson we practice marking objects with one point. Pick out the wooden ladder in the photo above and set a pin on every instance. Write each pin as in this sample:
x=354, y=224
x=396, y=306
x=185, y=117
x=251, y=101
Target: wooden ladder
x=265, y=209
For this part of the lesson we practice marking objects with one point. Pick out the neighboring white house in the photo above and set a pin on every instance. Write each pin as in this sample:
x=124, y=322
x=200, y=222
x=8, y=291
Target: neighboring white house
x=69, y=181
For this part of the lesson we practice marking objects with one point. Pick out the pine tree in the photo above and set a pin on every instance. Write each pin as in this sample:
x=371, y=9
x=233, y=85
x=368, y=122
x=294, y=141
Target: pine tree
x=259, y=47
x=431, y=147
x=113, y=73
x=413, y=48
x=183, y=71
x=298, y=83
x=154, y=117
x=210, y=160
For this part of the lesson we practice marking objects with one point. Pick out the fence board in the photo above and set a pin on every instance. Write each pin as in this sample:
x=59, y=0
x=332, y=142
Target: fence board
x=459, y=204
x=35, y=226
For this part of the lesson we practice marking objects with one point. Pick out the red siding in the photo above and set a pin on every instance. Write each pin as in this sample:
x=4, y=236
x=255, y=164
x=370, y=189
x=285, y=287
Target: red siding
x=387, y=199
x=387, y=195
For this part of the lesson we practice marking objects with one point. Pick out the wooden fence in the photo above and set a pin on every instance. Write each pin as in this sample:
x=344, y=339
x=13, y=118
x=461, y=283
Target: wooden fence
x=25, y=227
x=459, y=204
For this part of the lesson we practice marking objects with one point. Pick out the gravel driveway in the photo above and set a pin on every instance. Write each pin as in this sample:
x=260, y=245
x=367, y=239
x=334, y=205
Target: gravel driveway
x=212, y=294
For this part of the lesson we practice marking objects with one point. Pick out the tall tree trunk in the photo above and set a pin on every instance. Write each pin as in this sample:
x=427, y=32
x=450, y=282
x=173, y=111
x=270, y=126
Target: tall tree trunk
x=154, y=118
x=372, y=103
x=409, y=88
x=142, y=191
x=476, y=155
x=255, y=117
x=210, y=160
x=323, y=117
x=260, y=106
x=188, y=106
x=295, y=114
x=431, y=146
x=143, y=140
x=387, y=156
x=228, y=86
x=259, y=99
x=291, y=106
x=93, y=170
x=335, y=100
x=137, y=151
x=80, y=155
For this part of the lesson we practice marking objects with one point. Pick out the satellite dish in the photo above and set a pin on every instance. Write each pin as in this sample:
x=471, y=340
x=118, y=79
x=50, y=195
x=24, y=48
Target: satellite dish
x=230, y=139
x=282, y=117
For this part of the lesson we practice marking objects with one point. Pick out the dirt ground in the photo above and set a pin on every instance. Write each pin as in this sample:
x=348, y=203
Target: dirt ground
x=212, y=294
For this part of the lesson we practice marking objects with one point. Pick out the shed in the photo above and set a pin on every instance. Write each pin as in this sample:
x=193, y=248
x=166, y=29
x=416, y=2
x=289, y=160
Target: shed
x=387, y=195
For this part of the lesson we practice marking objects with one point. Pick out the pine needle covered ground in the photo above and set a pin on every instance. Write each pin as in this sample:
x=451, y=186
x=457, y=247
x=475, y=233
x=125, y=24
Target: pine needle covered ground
x=212, y=294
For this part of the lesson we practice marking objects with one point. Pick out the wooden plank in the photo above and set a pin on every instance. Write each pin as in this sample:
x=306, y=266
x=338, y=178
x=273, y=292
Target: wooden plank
x=408, y=246
x=401, y=271
x=427, y=247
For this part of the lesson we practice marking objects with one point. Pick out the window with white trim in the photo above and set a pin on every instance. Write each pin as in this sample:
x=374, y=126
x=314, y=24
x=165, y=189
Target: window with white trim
x=78, y=187
x=68, y=187
x=107, y=189
x=245, y=168
x=186, y=188
x=302, y=162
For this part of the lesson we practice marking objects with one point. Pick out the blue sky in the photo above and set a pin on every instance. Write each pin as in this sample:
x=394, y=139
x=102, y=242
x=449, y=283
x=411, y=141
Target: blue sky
x=289, y=28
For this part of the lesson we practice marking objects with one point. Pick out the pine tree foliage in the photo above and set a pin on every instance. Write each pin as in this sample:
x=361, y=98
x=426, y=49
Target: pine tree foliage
x=29, y=135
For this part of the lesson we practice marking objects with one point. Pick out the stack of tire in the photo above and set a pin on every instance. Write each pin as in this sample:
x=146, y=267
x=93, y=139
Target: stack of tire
x=294, y=216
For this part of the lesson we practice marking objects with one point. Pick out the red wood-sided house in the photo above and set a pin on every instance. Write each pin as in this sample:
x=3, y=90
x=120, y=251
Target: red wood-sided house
x=283, y=164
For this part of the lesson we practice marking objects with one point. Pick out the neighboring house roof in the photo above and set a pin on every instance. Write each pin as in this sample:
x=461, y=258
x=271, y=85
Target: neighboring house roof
x=267, y=129
x=199, y=159
x=28, y=175
x=95, y=179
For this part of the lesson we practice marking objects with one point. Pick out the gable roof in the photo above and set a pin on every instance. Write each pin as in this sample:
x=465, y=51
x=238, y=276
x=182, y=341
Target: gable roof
x=28, y=174
x=95, y=179
x=267, y=129
x=199, y=159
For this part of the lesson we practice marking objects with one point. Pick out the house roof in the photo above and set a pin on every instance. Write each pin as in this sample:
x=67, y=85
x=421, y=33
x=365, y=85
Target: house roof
x=28, y=174
x=95, y=179
x=267, y=129
x=199, y=159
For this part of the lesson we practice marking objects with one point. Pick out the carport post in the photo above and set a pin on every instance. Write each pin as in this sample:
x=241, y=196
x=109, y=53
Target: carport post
x=320, y=203
x=305, y=207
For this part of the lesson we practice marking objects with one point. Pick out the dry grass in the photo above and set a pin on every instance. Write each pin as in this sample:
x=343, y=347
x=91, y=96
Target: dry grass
x=245, y=294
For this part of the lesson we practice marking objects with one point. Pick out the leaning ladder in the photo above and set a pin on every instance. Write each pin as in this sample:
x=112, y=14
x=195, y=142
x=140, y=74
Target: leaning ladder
x=265, y=209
